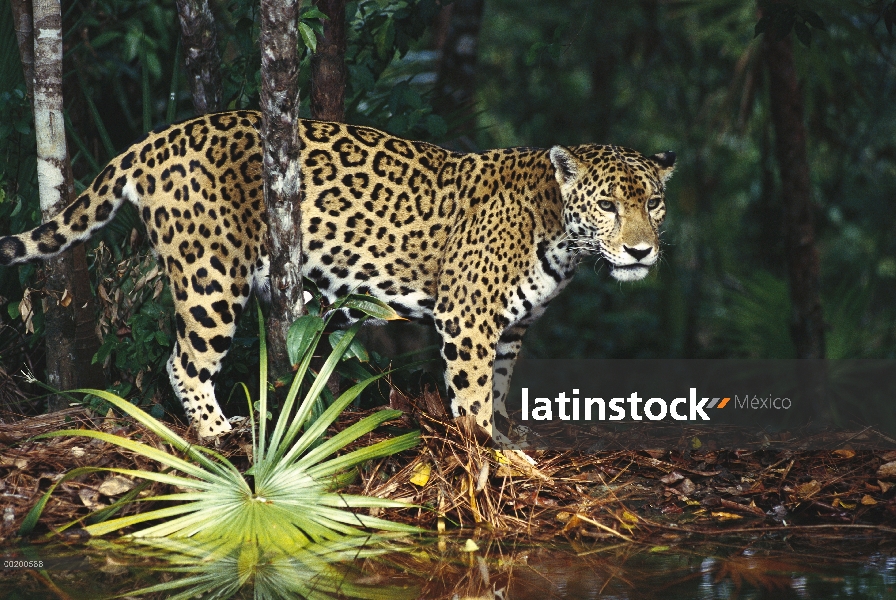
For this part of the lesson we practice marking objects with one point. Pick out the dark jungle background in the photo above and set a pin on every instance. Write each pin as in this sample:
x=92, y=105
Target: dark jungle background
x=654, y=75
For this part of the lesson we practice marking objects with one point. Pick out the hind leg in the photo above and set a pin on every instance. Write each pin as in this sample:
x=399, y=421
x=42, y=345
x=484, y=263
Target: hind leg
x=205, y=329
x=197, y=393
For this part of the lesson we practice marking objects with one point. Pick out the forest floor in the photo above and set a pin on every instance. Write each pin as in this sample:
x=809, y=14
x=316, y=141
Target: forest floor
x=648, y=496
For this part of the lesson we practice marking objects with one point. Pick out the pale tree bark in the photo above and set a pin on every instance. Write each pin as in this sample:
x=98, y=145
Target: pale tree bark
x=807, y=325
x=280, y=113
x=328, y=72
x=23, y=23
x=201, y=60
x=67, y=305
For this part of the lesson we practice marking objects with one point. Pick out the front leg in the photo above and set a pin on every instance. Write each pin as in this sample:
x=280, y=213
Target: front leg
x=508, y=349
x=469, y=358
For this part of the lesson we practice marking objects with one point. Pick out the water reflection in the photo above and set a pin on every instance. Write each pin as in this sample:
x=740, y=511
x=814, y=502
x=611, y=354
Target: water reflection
x=804, y=568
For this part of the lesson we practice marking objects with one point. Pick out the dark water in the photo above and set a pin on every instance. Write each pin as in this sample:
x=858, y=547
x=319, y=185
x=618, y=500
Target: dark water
x=807, y=567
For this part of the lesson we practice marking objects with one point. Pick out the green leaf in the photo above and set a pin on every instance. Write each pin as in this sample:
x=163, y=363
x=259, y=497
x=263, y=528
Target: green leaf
x=534, y=51
x=30, y=520
x=105, y=38
x=782, y=25
x=436, y=126
x=813, y=19
x=378, y=450
x=372, y=307
x=355, y=349
x=13, y=309
x=353, y=370
x=384, y=39
x=803, y=33
x=302, y=335
x=313, y=12
x=105, y=350
x=308, y=36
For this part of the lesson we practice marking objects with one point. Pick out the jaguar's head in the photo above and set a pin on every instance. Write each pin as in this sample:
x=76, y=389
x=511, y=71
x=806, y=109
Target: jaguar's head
x=613, y=204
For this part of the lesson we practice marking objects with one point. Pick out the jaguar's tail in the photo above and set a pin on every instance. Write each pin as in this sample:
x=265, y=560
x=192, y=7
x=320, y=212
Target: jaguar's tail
x=93, y=209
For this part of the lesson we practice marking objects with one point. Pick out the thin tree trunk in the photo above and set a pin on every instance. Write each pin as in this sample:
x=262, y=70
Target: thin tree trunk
x=328, y=81
x=328, y=72
x=280, y=110
x=201, y=60
x=456, y=81
x=807, y=328
x=23, y=22
x=68, y=349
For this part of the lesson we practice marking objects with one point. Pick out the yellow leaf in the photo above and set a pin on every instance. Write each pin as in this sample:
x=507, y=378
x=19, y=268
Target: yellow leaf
x=868, y=500
x=470, y=546
x=500, y=458
x=421, y=474
x=726, y=516
x=629, y=517
x=696, y=444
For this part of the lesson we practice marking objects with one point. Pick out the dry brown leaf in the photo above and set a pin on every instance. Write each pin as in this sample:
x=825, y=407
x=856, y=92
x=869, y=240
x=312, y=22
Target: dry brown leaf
x=672, y=477
x=887, y=470
x=807, y=490
x=26, y=311
x=90, y=498
x=115, y=485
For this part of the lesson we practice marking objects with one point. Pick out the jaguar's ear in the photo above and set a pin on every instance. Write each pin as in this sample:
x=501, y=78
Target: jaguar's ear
x=566, y=165
x=665, y=161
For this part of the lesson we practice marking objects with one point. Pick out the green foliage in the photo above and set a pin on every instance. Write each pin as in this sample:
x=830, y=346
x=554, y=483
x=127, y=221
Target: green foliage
x=652, y=75
x=689, y=77
x=889, y=16
x=125, y=68
x=379, y=36
x=380, y=90
x=288, y=502
x=780, y=18
x=756, y=320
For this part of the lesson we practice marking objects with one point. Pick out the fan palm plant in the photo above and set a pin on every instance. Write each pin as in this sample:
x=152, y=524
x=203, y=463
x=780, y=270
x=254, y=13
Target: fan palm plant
x=286, y=499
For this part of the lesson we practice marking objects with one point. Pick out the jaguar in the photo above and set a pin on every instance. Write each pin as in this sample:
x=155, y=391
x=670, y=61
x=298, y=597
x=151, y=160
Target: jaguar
x=477, y=244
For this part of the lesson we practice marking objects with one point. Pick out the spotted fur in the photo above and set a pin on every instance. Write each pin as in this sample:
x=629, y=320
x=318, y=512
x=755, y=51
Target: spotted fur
x=476, y=244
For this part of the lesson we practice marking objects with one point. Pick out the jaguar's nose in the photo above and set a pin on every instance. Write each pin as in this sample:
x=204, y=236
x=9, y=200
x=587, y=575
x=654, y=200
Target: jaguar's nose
x=639, y=253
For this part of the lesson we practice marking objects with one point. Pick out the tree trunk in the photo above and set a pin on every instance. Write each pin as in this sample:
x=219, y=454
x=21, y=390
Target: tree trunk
x=807, y=328
x=456, y=83
x=23, y=23
x=280, y=110
x=328, y=81
x=67, y=304
x=201, y=60
x=328, y=72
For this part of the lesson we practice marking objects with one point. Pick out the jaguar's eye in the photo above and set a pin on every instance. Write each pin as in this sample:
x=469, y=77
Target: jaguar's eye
x=653, y=203
x=607, y=205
